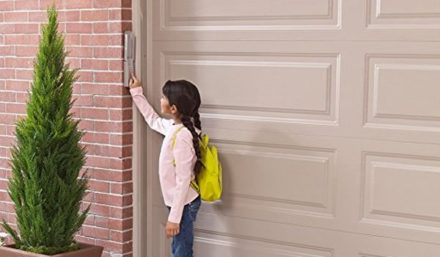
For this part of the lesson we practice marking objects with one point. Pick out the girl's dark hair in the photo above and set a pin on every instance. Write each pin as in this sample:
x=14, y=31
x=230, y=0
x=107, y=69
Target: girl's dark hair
x=185, y=96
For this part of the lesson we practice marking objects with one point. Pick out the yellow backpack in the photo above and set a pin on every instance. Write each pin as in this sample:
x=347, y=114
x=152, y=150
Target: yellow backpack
x=209, y=179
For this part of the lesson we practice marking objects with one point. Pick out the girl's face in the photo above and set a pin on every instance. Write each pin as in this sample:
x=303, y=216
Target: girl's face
x=165, y=107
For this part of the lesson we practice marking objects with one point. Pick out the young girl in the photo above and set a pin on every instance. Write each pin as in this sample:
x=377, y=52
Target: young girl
x=178, y=165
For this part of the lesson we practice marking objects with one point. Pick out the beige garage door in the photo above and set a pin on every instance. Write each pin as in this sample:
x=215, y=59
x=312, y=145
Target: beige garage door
x=326, y=114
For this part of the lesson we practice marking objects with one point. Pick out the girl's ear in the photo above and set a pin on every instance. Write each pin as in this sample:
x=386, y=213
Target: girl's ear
x=173, y=109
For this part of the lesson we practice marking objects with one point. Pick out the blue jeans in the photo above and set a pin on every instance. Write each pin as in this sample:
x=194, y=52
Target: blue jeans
x=182, y=244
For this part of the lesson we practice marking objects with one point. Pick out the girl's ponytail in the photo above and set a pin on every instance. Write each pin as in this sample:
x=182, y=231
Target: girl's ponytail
x=197, y=122
x=186, y=120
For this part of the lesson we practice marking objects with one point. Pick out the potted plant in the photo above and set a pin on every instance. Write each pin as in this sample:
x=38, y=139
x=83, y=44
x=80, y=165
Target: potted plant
x=46, y=186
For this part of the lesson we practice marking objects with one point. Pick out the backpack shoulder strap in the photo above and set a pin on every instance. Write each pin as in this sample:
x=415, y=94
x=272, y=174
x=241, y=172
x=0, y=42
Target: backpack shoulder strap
x=173, y=142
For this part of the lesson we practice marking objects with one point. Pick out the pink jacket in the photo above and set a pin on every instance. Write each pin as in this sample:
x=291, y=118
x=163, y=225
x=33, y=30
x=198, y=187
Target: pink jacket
x=174, y=181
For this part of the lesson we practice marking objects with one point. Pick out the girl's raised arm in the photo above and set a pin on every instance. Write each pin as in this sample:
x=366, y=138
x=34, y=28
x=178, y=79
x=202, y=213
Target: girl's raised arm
x=155, y=122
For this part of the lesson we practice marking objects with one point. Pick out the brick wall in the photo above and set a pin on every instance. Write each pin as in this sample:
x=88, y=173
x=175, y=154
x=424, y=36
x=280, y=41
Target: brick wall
x=94, y=36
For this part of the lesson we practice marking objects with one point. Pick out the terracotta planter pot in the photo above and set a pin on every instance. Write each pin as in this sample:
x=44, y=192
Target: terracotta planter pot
x=85, y=250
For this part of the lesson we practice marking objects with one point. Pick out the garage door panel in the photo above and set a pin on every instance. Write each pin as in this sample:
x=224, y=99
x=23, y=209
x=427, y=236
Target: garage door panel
x=399, y=190
x=222, y=245
x=273, y=177
x=391, y=14
x=372, y=20
x=415, y=188
x=303, y=86
x=403, y=91
x=255, y=171
x=249, y=14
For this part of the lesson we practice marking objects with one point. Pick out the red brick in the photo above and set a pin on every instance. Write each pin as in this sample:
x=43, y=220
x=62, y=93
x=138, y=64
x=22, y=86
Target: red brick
x=69, y=16
x=15, y=16
x=86, y=125
x=21, y=39
x=108, y=52
x=105, y=150
x=94, y=64
x=8, y=96
x=6, y=28
x=111, y=175
x=115, y=40
x=118, y=224
x=99, y=186
x=107, y=101
x=100, y=210
x=6, y=5
x=24, y=74
x=119, y=188
x=121, y=236
x=119, y=27
x=26, y=50
x=89, y=197
x=126, y=3
x=120, y=15
x=95, y=232
x=16, y=108
x=7, y=73
x=38, y=16
x=17, y=86
x=102, y=222
x=26, y=5
x=113, y=200
x=119, y=115
x=118, y=90
x=4, y=196
x=84, y=101
x=98, y=161
x=101, y=27
x=121, y=213
x=106, y=3
x=126, y=139
x=105, y=126
x=102, y=138
x=15, y=62
x=72, y=39
x=7, y=118
x=120, y=164
x=63, y=4
x=80, y=51
x=90, y=220
x=93, y=113
x=85, y=76
x=26, y=28
x=6, y=141
x=95, y=15
x=94, y=89
x=94, y=40
x=6, y=50
x=78, y=27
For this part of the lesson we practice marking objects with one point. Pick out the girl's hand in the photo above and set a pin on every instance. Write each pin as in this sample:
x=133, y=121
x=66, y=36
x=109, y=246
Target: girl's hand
x=134, y=82
x=172, y=229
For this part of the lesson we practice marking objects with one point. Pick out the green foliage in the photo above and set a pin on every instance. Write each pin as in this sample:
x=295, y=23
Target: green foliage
x=46, y=161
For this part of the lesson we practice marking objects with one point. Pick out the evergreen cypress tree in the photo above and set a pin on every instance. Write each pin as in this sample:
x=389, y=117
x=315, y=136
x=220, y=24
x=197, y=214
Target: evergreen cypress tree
x=46, y=161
